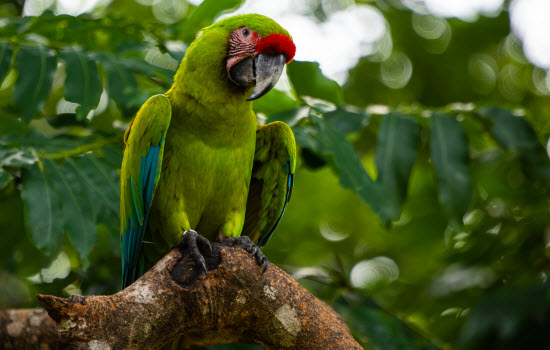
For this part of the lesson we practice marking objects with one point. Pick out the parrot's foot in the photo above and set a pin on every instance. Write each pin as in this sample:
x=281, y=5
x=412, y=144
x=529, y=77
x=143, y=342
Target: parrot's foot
x=250, y=247
x=196, y=243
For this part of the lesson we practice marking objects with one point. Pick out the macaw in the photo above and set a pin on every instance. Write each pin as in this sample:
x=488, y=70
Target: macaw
x=195, y=157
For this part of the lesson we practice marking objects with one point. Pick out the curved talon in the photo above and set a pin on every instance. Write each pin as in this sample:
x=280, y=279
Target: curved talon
x=193, y=240
x=264, y=264
x=204, y=243
x=252, y=249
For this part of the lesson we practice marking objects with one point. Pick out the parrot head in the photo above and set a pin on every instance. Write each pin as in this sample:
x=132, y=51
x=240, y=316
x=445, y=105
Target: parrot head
x=242, y=55
x=253, y=60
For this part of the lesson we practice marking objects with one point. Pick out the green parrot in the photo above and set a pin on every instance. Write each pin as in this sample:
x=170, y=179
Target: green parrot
x=196, y=158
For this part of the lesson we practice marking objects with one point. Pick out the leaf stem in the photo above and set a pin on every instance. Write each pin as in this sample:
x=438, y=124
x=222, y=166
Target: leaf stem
x=80, y=149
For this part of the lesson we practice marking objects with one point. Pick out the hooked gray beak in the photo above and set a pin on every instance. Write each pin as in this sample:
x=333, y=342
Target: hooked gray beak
x=264, y=71
x=268, y=71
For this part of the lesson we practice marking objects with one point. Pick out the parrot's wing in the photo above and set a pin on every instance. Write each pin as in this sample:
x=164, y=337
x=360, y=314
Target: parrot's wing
x=139, y=176
x=272, y=181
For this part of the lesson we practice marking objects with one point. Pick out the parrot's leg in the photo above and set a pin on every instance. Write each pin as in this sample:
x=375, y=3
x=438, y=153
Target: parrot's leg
x=250, y=247
x=195, y=243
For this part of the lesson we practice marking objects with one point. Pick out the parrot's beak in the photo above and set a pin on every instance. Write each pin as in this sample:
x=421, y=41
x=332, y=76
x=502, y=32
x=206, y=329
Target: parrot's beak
x=263, y=72
x=268, y=71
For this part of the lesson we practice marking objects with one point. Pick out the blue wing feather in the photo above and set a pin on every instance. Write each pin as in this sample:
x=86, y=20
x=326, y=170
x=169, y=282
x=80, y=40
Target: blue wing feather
x=132, y=260
x=140, y=173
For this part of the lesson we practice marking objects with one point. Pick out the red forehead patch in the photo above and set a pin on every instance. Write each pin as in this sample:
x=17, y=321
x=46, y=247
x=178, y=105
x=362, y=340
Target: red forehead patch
x=277, y=43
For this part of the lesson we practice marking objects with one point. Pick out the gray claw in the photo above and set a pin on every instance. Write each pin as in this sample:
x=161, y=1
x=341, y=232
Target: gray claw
x=245, y=243
x=193, y=240
x=204, y=243
x=264, y=263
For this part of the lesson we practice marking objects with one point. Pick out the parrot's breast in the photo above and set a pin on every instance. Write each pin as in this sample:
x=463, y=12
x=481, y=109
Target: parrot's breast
x=204, y=182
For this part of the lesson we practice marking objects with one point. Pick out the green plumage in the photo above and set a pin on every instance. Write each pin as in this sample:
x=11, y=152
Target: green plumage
x=206, y=150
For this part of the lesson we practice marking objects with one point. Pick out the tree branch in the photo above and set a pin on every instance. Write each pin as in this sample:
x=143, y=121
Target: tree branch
x=27, y=329
x=235, y=302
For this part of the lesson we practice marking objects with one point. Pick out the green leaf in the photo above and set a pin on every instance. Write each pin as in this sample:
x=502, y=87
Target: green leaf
x=6, y=52
x=374, y=328
x=500, y=317
x=274, y=102
x=43, y=215
x=82, y=84
x=517, y=135
x=143, y=67
x=11, y=123
x=102, y=180
x=113, y=155
x=513, y=133
x=12, y=223
x=396, y=150
x=43, y=144
x=36, y=66
x=121, y=82
x=308, y=80
x=205, y=14
x=318, y=105
x=291, y=117
x=77, y=205
x=346, y=120
x=13, y=157
x=312, y=160
x=450, y=156
x=322, y=139
x=5, y=178
x=65, y=119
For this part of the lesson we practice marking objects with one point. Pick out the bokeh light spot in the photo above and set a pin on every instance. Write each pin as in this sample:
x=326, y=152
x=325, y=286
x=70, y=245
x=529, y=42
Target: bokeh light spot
x=529, y=21
x=396, y=72
x=59, y=268
x=162, y=60
x=372, y=272
x=169, y=11
x=428, y=27
x=457, y=277
x=540, y=81
x=482, y=69
x=511, y=84
x=330, y=234
x=467, y=10
x=496, y=207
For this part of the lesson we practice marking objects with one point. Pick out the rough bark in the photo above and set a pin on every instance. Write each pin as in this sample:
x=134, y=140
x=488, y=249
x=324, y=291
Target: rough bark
x=234, y=302
x=27, y=329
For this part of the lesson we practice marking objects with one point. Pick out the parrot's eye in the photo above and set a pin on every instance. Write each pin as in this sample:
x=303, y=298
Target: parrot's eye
x=246, y=32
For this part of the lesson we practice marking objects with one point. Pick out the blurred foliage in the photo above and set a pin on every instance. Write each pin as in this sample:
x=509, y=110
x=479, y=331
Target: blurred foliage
x=422, y=218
